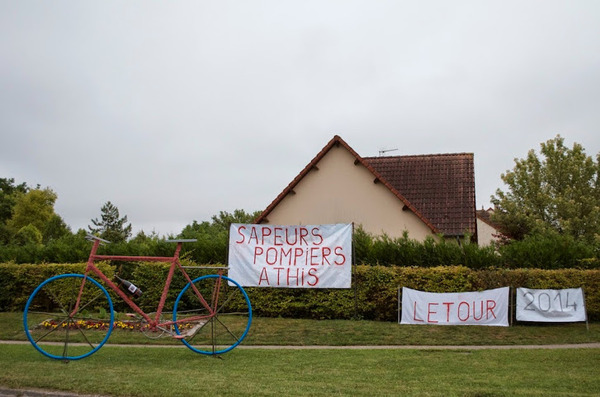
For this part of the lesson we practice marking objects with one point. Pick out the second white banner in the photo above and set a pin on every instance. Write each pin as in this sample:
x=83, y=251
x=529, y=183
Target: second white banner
x=461, y=308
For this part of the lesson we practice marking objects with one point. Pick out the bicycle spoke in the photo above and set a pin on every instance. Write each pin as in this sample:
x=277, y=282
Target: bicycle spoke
x=225, y=303
x=225, y=330
x=85, y=337
x=79, y=335
x=197, y=332
x=49, y=316
x=212, y=338
x=50, y=331
x=66, y=342
x=57, y=301
x=92, y=300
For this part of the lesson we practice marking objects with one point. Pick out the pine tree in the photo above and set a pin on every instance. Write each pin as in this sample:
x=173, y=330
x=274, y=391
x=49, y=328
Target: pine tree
x=111, y=227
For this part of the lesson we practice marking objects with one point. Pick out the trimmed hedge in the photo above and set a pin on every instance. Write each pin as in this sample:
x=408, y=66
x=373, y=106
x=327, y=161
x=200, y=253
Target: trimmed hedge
x=374, y=295
x=539, y=251
x=17, y=282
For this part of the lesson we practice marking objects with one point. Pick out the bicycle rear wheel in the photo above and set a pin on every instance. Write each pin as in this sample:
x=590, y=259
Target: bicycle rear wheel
x=225, y=328
x=52, y=327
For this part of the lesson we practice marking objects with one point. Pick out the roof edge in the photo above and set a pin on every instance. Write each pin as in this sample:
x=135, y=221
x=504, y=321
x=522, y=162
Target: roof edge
x=297, y=179
x=423, y=155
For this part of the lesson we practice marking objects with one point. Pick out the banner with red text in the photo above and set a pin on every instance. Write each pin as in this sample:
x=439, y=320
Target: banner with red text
x=462, y=308
x=300, y=256
x=551, y=305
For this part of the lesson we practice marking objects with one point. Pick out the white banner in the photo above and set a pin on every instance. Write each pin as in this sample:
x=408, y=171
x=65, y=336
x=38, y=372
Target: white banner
x=550, y=305
x=462, y=308
x=301, y=256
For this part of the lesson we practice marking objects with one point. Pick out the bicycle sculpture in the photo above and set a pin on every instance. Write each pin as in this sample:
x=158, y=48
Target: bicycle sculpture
x=71, y=316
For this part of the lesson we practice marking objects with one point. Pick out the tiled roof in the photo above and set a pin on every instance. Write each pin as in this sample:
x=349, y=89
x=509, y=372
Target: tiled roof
x=440, y=186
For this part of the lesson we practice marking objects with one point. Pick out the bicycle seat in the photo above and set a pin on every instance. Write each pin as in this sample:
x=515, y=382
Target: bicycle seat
x=183, y=240
x=91, y=237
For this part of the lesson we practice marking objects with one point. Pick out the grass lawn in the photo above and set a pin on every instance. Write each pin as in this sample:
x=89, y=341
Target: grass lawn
x=141, y=371
x=282, y=331
x=135, y=371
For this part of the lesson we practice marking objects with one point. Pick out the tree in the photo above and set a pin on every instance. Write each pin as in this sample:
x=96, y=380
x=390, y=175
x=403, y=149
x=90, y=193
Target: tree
x=211, y=245
x=35, y=209
x=55, y=228
x=225, y=219
x=220, y=223
x=111, y=227
x=558, y=192
x=8, y=193
x=28, y=235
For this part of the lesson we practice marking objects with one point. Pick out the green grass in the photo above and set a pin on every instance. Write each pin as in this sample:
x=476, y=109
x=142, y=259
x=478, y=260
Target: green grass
x=141, y=371
x=135, y=371
x=281, y=331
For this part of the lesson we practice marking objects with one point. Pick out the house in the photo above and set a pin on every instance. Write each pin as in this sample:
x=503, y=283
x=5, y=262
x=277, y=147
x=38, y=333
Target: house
x=487, y=231
x=425, y=195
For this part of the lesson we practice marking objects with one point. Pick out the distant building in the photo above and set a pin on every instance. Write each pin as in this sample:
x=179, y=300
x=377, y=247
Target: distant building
x=487, y=231
x=424, y=195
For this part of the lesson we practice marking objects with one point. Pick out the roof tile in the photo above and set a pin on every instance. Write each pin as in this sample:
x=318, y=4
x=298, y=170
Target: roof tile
x=440, y=186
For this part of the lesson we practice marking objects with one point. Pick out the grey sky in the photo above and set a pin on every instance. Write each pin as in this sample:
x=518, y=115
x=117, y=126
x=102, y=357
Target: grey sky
x=177, y=110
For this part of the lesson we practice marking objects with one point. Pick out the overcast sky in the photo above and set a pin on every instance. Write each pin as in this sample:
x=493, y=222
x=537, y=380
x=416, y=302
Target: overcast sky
x=176, y=110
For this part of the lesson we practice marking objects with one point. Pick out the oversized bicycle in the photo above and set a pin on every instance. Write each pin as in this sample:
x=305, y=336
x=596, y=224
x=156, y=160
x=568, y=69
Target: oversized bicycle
x=71, y=316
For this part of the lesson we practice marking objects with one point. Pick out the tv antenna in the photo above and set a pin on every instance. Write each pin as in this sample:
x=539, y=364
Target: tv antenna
x=384, y=151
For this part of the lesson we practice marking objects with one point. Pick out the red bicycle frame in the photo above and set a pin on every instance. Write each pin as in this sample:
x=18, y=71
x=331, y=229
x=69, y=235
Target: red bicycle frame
x=174, y=261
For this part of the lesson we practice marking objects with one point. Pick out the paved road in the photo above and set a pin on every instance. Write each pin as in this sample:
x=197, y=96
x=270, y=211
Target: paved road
x=41, y=393
x=370, y=347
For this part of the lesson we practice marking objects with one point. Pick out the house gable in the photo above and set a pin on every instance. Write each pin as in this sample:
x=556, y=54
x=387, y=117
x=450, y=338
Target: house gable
x=339, y=186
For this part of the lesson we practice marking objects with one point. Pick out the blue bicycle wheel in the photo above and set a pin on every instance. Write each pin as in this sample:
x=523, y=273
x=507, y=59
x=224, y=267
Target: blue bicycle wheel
x=55, y=330
x=226, y=328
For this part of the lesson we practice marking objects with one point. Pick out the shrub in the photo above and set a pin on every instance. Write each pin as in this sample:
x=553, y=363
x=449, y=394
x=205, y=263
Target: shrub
x=549, y=251
x=17, y=281
x=545, y=251
x=373, y=296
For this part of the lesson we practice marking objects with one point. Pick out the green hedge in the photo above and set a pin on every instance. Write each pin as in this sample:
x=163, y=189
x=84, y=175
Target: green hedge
x=17, y=282
x=374, y=295
x=540, y=251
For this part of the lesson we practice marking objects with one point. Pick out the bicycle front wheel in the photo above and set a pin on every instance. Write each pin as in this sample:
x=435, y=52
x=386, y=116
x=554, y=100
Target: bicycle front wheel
x=218, y=328
x=53, y=326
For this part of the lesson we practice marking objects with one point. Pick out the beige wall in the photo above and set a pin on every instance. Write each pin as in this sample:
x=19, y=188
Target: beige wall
x=342, y=192
x=485, y=233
